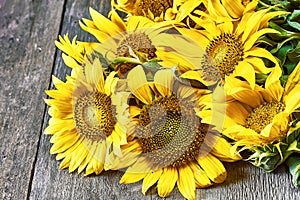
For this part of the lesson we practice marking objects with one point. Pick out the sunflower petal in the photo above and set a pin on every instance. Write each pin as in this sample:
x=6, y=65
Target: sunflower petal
x=260, y=52
x=294, y=79
x=253, y=38
x=150, y=179
x=164, y=80
x=273, y=86
x=132, y=177
x=138, y=84
x=234, y=8
x=167, y=181
x=186, y=182
x=245, y=70
x=258, y=65
x=213, y=168
x=201, y=178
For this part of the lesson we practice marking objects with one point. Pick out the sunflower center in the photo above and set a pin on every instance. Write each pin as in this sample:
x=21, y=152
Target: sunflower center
x=170, y=132
x=225, y=51
x=263, y=115
x=157, y=7
x=138, y=42
x=94, y=116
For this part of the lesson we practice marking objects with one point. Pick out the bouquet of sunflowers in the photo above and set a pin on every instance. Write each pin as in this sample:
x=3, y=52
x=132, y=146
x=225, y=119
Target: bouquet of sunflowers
x=174, y=88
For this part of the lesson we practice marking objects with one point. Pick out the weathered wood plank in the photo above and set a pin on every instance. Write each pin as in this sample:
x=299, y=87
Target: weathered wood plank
x=27, y=31
x=51, y=183
x=244, y=181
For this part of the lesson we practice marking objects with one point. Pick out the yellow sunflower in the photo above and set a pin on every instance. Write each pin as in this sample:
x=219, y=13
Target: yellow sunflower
x=170, y=143
x=230, y=49
x=261, y=116
x=85, y=124
x=139, y=37
x=158, y=10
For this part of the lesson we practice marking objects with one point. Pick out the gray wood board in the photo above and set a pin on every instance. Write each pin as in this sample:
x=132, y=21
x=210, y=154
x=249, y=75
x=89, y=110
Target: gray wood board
x=27, y=31
x=27, y=38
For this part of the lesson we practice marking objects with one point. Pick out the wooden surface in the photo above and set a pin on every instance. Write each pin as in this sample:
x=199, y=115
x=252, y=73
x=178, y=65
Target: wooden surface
x=28, y=57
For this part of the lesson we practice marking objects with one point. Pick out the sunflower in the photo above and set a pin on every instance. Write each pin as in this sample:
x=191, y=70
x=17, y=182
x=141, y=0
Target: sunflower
x=262, y=116
x=85, y=123
x=138, y=38
x=230, y=49
x=170, y=143
x=158, y=10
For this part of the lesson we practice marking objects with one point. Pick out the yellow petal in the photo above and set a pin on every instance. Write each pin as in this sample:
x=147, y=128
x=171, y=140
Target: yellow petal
x=293, y=79
x=216, y=9
x=209, y=26
x=245, y=70
x=77, y=158
x=253, y=38
x=195, y=35
x=270, y=15
x=292, y=99
x=186, y=182
x=201, y=178
x=258, y=65
x=132, y=177
x=241, y=91
x=100, y=36
x=234, y=8
x=260, y=52
x=226, y=27
x=104, y=24
x=167, y=181
x=252, y=24
x=197, y=75
x=150, y=179
x=164, y=80
x=69, y=61
x=138, y=84
x=251, y=6
x=213, y=168
x=221, y=149
x=273, y=86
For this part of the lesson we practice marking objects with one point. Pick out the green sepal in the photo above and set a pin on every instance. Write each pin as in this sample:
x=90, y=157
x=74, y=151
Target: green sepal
x=293, y=163
x=270, y=156
x=294, y=19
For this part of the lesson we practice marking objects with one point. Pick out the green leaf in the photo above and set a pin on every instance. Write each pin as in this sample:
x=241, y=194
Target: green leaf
x=293, y=163
x=282, y=53
x=293, y=136
x=295, y=16
x=294, y=54
x=261, y=78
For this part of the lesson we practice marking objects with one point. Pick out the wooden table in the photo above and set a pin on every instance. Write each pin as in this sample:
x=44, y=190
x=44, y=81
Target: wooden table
x=28, y=57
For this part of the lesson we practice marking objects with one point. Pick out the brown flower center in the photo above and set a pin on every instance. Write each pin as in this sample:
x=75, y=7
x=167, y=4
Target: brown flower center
x=94, y=116
x=225, y=51
x=263, y=115
x=170, y=132
x=137, y=42
x=157, y=7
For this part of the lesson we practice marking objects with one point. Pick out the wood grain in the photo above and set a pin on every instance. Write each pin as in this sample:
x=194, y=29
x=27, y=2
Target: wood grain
x=27, y=31
x=27, y=170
